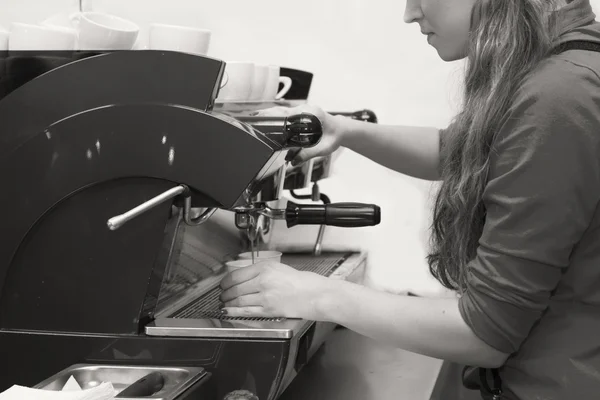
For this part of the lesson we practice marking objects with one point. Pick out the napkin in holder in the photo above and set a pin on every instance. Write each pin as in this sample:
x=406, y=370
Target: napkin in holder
x=70, y=391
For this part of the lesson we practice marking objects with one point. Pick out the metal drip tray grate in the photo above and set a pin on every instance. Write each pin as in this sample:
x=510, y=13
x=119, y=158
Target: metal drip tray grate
x=207, y=306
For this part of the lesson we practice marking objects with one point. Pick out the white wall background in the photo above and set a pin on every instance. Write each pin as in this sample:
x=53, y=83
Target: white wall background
x=363, y=56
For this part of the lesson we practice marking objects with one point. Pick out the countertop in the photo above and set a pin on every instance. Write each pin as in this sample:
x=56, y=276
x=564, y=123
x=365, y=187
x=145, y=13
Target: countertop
x=349, y=366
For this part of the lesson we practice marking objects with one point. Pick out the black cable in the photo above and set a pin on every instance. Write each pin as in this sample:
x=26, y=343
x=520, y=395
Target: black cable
x=323, y=197
x=300, y=196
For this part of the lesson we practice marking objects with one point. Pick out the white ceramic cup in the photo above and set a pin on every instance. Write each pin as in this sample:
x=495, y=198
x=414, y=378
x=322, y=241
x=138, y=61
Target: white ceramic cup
x=237, y=82
x=272, y=84
x=100, y=31
x=37, y=37
x=179, y=38
x=237, y=264
x=259, y=82
x=61, y=20
x=4, y=36
x=266, y=255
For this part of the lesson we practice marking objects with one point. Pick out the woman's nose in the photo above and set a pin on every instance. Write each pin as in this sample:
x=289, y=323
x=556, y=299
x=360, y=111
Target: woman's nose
x=413, y=11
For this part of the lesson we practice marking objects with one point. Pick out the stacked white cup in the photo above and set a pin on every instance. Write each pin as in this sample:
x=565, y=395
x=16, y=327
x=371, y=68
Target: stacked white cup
x=249, y=82
x=91, y=31
x=271, y=90
x=100, y=31
x=184, y=39
x=237, y=83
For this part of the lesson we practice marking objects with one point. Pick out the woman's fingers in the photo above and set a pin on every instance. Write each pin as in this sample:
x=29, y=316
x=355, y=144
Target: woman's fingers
x=286, y=111
x=255, y=312
x=274, y=112
x=249, y=300
x=243, y=289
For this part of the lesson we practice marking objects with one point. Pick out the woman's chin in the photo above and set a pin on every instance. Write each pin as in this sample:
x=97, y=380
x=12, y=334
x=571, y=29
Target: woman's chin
x=446, y=53
x=449, y=56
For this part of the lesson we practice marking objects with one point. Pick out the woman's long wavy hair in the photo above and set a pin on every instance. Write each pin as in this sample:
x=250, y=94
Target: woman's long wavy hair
x=508, y=40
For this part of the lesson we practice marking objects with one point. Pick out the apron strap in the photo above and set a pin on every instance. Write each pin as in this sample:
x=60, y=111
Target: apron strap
x=496, y=389
x=577, y=45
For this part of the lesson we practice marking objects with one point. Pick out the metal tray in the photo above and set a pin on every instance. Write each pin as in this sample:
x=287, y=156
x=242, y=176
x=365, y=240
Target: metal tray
x=177, y=380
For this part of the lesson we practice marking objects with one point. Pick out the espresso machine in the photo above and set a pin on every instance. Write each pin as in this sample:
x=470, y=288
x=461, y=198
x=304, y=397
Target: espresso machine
x=125, y=191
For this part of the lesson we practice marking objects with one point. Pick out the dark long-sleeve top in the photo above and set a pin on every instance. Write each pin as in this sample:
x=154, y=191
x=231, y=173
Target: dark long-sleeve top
x=533, y=289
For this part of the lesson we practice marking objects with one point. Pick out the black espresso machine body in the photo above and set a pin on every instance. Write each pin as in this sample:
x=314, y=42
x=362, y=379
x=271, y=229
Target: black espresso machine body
x=86, y=137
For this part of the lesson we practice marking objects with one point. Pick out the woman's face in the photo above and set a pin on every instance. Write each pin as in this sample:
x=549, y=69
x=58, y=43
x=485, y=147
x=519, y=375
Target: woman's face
x=445, y=22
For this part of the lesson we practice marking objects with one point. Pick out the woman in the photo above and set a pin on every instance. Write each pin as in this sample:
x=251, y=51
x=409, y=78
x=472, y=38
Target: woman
x=516, y=219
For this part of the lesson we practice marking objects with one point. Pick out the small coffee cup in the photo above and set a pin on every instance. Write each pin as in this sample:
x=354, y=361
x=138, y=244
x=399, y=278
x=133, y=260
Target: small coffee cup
x=301, y=82
x=100, y=31
x=272, y=84
x=64, y=20
x=237, y=82
x=237, y=264
x=263, y=255
x=259, y=82
x=184, y=39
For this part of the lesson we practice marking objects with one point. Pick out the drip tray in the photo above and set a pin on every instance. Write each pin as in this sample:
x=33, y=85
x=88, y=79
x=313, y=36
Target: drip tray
x=201, y=317
x=207, y=306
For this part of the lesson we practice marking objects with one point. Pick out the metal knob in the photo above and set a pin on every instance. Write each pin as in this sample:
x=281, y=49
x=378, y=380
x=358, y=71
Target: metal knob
x=300, y=130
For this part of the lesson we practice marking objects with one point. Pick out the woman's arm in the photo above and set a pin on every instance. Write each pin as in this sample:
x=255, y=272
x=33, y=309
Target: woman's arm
x=428, y=326
x=410, y=150
x=432, y=327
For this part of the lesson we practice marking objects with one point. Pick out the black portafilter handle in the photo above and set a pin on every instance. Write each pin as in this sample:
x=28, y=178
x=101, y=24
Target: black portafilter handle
x=345, y=215
x=362, y=115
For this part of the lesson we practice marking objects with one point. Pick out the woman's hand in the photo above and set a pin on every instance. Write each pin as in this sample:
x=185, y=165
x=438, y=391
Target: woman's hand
x=270, y=289
x=333, y=129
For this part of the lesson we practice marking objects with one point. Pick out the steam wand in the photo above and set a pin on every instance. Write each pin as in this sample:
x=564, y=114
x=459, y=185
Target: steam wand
x=118, y=221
